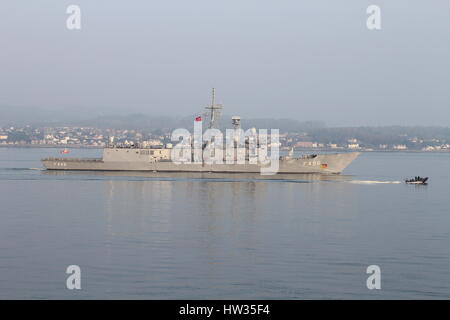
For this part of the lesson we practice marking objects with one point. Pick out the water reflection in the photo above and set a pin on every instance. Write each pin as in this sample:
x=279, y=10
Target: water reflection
x=196, y=236
x=303, y=177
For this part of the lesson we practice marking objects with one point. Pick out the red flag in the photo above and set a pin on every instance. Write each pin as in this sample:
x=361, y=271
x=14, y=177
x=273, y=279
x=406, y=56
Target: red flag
x=198, y=118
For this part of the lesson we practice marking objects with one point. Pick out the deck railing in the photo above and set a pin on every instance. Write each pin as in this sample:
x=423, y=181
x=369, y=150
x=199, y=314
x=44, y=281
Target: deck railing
x=74, y=159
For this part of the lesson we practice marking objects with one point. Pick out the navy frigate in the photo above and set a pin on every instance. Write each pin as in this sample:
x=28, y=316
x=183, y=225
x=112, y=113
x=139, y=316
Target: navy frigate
x=150, y=159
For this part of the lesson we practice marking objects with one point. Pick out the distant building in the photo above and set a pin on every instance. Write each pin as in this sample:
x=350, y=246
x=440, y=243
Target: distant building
x=353, y=146
x=151, y=143
x=3, y=137
x=400, y=147
x=416, y=140
x=304, y=144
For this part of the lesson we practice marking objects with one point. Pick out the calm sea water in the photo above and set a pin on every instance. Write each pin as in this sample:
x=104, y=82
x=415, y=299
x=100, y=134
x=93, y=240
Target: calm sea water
x=181, y=237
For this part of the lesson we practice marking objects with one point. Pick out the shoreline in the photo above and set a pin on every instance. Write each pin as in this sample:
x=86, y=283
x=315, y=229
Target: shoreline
x=49, y=146
x=309, y=150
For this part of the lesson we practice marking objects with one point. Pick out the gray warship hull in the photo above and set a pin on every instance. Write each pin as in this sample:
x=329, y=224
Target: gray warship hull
x=137, y=160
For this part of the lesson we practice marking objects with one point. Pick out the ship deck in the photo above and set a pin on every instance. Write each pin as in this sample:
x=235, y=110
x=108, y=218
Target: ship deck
x=74, y=159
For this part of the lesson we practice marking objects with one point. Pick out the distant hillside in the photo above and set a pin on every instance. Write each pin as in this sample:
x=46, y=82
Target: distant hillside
x=20, y=116
x=150, y=123
x=309, y=131
x=380, y=135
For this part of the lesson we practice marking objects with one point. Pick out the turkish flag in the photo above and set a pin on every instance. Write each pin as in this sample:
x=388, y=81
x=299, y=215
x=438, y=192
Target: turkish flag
x=198, y=118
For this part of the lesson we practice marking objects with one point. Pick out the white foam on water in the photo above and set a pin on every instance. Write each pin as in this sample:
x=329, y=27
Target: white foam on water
x=373, y=182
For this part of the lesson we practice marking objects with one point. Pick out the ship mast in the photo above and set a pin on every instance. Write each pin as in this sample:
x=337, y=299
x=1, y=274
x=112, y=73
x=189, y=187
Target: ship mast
x=214, y=111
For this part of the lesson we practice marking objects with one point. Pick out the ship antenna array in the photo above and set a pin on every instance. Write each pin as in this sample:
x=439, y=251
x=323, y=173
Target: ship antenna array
x=214, y=111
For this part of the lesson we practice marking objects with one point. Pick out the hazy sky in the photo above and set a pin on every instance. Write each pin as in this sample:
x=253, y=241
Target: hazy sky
x=306, y=60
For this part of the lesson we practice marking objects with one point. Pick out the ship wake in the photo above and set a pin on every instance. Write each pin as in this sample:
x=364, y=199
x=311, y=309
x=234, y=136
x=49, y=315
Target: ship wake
x=373, y=182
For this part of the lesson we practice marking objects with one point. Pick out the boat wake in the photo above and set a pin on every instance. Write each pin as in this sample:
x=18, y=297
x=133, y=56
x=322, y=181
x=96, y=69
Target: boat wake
x=21, y=169
x=373, y=182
